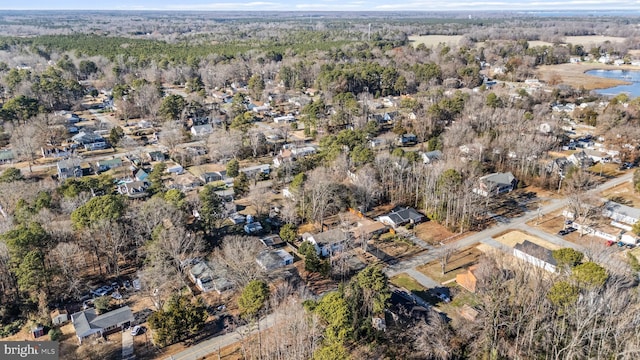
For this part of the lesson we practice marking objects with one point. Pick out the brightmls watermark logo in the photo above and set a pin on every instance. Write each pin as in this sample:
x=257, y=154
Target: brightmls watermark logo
x=32, y=350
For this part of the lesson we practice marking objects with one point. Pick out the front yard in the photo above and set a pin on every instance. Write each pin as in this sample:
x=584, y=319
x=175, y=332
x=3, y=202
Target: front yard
x=458, y=263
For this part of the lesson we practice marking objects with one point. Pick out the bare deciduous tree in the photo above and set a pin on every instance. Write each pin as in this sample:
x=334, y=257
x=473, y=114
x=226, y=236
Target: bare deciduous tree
x=236, y=259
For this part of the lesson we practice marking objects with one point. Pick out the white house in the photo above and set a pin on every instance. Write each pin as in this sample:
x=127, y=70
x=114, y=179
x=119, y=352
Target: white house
x=496, y=183
x=536, y=255
x=328, y=242
x=274, y=259
x=621, y=213
x=431, y=156
x=201, y=130
x=284, y=119
x=87, y=323
x=401, y=216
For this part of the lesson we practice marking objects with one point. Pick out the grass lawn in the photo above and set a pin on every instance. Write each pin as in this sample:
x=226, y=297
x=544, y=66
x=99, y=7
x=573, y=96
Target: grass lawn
x=623, y=194
x=456, y=265
x=608, y=169
x=407, y=282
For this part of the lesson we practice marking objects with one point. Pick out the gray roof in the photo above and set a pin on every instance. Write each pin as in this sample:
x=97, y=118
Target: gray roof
x=87, y=322
x=272, y=259
x=272, y=240
x=498, y=179
x=611, y=208
x=433, y=155
x=201, y=270
x=536, y=251
x=85, y=137
x=328, y=237
x=404, y=215
x=71, y=163
x=6, y=155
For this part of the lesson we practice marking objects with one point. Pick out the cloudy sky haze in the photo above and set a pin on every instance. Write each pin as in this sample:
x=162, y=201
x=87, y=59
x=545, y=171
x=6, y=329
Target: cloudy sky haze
x=322, y=5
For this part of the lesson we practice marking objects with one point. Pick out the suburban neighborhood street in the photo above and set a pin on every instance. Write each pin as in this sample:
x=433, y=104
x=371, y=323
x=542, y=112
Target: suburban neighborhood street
x=214, y=344
x=486, y=236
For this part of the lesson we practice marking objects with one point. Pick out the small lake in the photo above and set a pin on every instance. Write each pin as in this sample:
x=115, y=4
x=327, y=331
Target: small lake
x=632, y=76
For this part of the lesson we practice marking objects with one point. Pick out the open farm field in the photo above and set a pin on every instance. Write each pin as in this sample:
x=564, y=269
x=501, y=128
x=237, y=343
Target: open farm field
x=434, y=40
x=592, y=39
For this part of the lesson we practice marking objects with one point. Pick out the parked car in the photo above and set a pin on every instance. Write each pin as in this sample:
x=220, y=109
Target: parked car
x=563, y=232
x=570, y=229
x=443, y=297
x=609, y=242
x=102, y=291
x=87, y=304
x=137, y=330
x=116, y=295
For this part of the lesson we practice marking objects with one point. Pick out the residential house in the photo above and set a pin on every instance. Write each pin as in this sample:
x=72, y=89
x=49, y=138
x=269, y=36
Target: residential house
x=237, y=218
x=69, y=168
x=284, y=119
x=6, y=156
x=597, y=156
x=407, y=140
x=156, y=156
x=90, y=140
x=536, y=255
x=292, y=154
x=106, y=165
x=401, y=216
x=59, y=317
x=621, y=213
x=55, y=151
x=366, y=228
x=184, y=182
x=581, y=159
x=495, y=184
x=567, y=108
x=201, y=130
x=212, y=176
x=87, y=323
x=141, y=175
x=376, y=143
x=431, y=156
x=272, y=241
x=257, y=170
x=558, y=165
x=468, y=279
x=202, y=275
x=71, y=118
x=273, y=259
x=252, y=227
x=328, y=242
x=133, y=189
x=174, y=168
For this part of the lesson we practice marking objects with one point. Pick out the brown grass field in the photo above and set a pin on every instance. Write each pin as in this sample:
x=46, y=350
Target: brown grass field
x=513, y=237
x=624, y=194
x=434, y=40
x=458, y=263
x=574, y=75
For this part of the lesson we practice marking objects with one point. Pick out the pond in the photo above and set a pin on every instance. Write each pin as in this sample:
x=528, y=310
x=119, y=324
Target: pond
x=632, y=76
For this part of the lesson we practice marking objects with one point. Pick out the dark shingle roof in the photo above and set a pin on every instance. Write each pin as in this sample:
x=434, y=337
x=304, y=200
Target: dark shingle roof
x=536, y=251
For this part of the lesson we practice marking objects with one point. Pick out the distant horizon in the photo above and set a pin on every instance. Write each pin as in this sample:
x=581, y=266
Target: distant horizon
x=514, y=6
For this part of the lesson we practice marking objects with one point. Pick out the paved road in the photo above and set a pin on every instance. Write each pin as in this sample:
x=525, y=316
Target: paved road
x=486, y=236
x=214, y=344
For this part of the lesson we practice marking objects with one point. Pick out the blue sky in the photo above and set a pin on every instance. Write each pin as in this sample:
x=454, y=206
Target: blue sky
x=322, y=5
